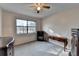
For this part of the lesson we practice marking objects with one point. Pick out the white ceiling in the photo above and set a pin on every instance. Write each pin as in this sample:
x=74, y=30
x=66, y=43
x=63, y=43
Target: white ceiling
x=24, y=8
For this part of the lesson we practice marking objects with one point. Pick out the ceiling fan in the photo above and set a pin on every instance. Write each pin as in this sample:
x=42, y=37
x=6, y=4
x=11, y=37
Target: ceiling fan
x=40, y=6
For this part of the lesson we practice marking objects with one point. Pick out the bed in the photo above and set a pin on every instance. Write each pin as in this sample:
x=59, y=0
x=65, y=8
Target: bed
x=60, y=39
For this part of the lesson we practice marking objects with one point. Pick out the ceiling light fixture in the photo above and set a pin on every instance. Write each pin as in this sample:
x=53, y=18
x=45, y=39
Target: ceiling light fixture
x=38, y=9
x=40, y=6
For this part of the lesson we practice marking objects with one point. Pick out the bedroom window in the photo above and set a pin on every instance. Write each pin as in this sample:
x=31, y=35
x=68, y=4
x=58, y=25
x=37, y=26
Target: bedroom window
x=25, y=26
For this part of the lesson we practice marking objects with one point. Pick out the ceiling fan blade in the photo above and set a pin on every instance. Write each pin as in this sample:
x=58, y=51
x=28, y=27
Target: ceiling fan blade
x=46, y=7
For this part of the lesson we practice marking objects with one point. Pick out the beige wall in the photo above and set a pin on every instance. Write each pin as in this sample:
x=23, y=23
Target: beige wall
x=8, y=27
x=62, y=22
x=0, y=22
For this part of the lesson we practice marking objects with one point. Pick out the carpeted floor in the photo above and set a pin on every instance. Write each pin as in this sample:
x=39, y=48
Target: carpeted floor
x=38, y=48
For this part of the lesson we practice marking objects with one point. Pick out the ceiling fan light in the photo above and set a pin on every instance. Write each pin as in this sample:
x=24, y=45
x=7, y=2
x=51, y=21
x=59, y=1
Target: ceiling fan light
x=38, y=8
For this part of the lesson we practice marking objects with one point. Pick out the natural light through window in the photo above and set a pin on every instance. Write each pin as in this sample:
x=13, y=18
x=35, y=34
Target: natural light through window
x=51, y=32
x=25, y=26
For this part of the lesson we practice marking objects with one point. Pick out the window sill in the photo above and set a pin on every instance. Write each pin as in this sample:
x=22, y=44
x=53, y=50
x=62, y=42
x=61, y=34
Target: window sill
x=25, y=34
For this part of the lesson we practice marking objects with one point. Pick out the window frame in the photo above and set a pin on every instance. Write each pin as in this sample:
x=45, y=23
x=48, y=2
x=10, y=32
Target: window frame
x=26, y=26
